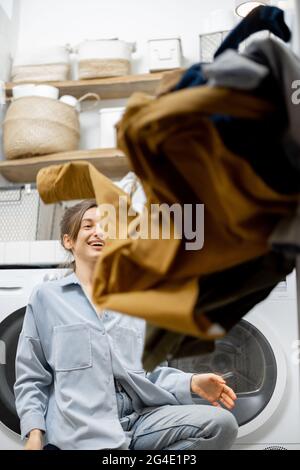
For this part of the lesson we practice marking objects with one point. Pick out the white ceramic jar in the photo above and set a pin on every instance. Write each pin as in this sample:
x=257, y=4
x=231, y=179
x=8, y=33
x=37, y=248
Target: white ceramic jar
x=30, y=89
x=71, y=101
x=19, y=91
x=108, y=120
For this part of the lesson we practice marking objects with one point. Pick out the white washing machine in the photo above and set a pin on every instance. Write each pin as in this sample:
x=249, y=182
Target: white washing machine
x=260, y=359
x=273, y=375
x=37, y=263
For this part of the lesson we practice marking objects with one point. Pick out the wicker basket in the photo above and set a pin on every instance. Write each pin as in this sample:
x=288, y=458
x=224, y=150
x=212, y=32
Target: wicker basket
x=104, y=58
x=39, y=126
x=101, y=68
x=40, y=73
x=46, y=64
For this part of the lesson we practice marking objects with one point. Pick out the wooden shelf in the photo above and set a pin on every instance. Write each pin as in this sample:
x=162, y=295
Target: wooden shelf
x=106, y=88
x=111, y=162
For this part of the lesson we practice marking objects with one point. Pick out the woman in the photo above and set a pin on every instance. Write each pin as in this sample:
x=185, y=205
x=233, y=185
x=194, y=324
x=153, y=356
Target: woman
x=79, y=377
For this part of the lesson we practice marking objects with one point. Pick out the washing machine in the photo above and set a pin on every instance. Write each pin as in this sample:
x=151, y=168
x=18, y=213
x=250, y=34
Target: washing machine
x=37, y=262
x=260, y=360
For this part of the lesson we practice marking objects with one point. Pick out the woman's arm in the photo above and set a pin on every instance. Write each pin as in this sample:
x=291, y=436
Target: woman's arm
x=33, y=378
x=174, y=381
x=35, y=440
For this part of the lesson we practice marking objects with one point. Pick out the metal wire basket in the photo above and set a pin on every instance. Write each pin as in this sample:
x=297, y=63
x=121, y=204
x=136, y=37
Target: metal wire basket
x=24, y=216
x=209, y=43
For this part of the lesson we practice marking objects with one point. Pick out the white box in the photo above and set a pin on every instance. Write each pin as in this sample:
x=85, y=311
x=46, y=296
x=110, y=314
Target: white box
x=164, y=54
x=108, y=119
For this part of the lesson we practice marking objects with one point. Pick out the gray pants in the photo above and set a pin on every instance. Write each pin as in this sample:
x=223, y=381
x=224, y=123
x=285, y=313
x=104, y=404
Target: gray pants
x=183, y=427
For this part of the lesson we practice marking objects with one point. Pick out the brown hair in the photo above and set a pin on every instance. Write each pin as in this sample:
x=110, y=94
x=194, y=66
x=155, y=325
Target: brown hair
x=71, y=221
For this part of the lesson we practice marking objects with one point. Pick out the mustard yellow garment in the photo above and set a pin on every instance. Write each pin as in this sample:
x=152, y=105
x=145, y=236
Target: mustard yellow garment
x=177, y=153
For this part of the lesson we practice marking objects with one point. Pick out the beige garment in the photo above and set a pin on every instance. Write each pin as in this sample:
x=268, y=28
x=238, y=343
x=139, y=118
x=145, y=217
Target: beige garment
x=179, y=157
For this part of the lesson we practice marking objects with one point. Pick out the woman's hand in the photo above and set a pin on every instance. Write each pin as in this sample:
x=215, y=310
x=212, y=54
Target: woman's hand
x=35, y=440
x=213, y=388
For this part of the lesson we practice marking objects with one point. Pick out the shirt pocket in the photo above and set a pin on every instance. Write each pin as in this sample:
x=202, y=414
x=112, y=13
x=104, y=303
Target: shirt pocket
x=72, y=347
x=128, y=344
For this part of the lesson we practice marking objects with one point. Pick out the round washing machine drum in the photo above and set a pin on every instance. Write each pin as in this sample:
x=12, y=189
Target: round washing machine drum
x=10, y=330
x=247, y=362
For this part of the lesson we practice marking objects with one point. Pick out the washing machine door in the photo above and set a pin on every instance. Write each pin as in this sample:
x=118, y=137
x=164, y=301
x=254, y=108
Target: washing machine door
x=10, y=329
x=252, y=363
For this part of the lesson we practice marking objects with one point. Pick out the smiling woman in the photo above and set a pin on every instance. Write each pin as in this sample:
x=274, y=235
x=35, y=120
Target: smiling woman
x=80, y=384
x=80, y=235
x=78, y=227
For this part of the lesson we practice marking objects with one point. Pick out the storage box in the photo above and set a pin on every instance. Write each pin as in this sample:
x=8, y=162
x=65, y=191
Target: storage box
x=164, y=54
x=19, y=210
x=108, y=120
x=104, y=58
x=36, y=126
x=26, y=218
x=42, y=65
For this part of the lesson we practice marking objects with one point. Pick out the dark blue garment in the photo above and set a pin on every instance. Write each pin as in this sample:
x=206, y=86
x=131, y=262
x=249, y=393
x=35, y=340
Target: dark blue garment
x=258, y=142
x=191, y=78
x=260, y=19
x=50, y=447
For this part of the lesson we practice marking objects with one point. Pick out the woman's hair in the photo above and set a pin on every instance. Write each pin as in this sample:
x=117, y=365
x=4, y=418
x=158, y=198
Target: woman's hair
x=71, y=222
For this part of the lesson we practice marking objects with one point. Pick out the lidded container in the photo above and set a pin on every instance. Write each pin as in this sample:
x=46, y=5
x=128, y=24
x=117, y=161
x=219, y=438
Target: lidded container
x=104, y=58
x=108, y=118
x=164, y=54
x=41, y=65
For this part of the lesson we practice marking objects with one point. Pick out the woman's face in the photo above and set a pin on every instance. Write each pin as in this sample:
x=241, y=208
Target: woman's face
x=89, y=243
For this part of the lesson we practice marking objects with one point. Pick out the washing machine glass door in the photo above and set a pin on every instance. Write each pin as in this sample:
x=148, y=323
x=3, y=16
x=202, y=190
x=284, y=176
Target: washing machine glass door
x=247, y=362
x=10, y=329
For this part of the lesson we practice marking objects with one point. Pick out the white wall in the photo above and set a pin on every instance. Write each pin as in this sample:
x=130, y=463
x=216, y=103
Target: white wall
x=46, y=22
x=58, y=22
x=71, y=21
x=5, y=44
x=7, y=6
x=37, y=23
x=297, y=22
x=9, y=27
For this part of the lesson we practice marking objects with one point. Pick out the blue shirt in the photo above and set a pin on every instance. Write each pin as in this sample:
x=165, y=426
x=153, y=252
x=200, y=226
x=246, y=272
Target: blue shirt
x=67, y=359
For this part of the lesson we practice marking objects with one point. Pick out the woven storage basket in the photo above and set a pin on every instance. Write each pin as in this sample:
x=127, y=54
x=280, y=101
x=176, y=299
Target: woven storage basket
x=45, y=64
x=40, y=73
x=100, y=68
x=39, y=126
